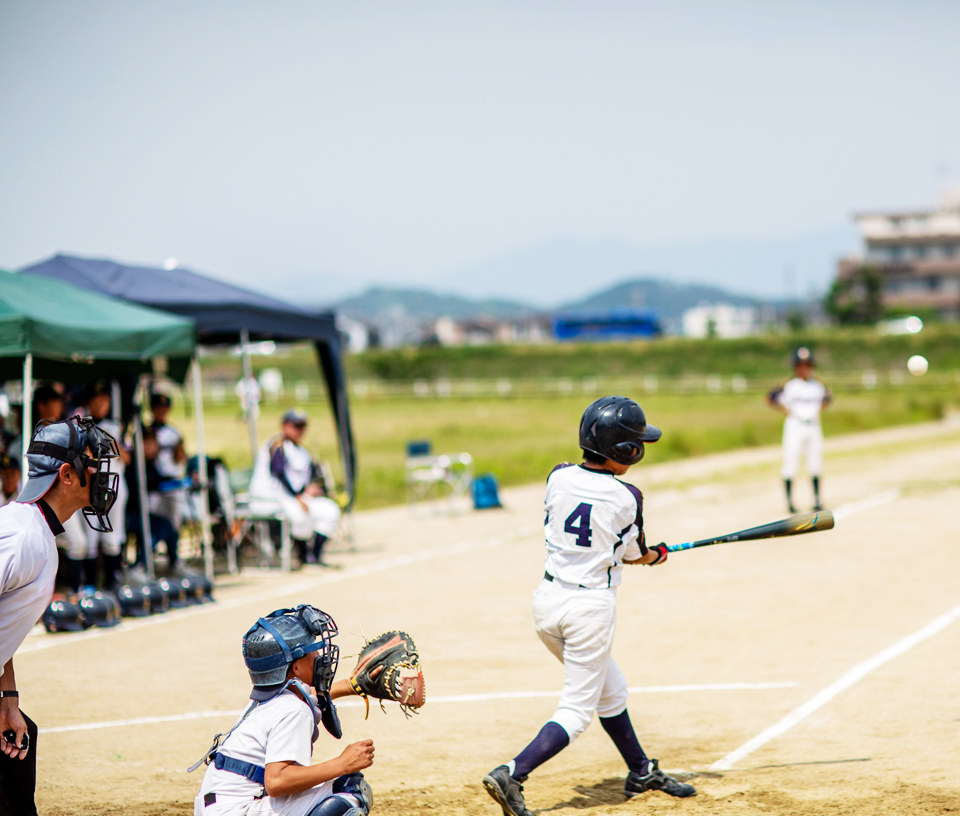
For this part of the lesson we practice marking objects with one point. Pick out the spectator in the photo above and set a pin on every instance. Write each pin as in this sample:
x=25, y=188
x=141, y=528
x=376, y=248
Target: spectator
x=161, y=528
x=9, y=478
x=48, y=404
x=83, y=544
x=170, y=460
x=286, y=479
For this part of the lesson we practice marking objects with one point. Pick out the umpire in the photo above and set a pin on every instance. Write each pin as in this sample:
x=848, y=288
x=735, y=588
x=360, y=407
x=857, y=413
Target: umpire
x=63, y=477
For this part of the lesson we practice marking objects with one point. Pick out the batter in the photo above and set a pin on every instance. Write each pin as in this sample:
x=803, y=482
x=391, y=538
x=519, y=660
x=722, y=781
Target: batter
x=593, y=526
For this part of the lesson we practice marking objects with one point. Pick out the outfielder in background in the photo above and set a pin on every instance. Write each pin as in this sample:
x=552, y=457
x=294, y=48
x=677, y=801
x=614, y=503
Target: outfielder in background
x=801, y=398
x=593, y=526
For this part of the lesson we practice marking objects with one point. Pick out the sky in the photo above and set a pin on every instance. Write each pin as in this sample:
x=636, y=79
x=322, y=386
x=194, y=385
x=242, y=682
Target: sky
x=529, y=150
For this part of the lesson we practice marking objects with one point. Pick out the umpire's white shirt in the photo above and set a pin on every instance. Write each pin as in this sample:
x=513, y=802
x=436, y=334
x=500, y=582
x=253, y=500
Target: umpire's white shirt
x=28, y=568
x=593, y=521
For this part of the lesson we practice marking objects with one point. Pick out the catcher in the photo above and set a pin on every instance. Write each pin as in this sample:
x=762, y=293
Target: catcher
x=262, y=765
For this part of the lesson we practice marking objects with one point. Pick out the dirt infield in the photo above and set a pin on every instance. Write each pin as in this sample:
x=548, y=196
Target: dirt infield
x=720, y=645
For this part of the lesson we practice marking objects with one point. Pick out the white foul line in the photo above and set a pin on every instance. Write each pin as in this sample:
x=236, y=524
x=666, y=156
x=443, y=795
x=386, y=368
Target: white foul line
x=458, y=698
x=866, y=504
x=855, y=674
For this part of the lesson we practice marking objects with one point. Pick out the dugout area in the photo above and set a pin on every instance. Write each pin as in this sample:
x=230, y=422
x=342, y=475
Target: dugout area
x=719, y=644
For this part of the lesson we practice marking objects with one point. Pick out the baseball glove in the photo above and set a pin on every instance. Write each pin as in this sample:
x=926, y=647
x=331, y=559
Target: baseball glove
x=388, y=668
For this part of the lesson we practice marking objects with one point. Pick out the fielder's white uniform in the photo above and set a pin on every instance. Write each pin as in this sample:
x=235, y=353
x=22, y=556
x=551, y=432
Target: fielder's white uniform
x=803, y=399
x=170, y=503
x=279, y=730
x=593, y=522
x=281, y=460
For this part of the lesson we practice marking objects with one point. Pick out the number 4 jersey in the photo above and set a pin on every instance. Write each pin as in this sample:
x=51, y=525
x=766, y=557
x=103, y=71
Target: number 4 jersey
x=593, y=522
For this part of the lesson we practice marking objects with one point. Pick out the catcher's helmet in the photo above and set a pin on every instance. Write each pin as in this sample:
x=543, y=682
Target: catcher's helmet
x=134, y=600
x=803, y=354
x=100, y=609
x=63, y=616
x=616, y=428
x=273, y=643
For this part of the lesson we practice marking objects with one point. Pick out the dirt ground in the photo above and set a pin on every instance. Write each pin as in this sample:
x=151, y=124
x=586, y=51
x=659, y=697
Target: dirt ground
x=788, y=617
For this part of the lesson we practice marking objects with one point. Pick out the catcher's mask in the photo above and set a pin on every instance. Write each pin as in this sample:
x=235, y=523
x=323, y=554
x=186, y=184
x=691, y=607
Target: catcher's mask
x=274, y=642
x=68, y=441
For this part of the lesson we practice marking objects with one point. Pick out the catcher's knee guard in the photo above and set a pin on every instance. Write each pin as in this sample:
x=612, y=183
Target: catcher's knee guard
x=338, y=805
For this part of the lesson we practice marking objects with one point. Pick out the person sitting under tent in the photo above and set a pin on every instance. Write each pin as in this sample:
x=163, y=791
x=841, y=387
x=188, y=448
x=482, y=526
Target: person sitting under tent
x=161, y=528
x=287, y=480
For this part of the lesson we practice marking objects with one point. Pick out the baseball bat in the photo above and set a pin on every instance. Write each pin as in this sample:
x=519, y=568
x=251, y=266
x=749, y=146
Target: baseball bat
x=795, y=525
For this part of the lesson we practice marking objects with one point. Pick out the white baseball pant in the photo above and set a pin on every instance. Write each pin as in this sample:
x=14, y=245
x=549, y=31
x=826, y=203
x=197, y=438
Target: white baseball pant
x=577, y=626
x=801, y=437
x=321, y=516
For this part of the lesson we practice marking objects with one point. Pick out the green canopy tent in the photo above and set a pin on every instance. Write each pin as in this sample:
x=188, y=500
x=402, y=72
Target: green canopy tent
x=52, y=330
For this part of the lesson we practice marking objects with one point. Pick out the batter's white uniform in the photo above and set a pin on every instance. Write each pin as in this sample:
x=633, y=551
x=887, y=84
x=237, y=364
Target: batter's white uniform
x=278, y=730
x=269, y=495
x=28, y=569
x=593, y=522
x=803, y=399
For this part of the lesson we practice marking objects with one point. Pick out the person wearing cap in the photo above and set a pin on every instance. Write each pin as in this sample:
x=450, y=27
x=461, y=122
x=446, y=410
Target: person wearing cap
x=286, y=478
x=61, y=480
x=801, y=399
x=9, y=479
x=171, y=459
x=48, y=404
x=83, y=543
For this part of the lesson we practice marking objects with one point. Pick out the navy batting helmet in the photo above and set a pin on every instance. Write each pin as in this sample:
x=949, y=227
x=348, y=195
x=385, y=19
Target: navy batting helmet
x=64, y=616
x=101, y=609
x=134, y=600
x=616, y=428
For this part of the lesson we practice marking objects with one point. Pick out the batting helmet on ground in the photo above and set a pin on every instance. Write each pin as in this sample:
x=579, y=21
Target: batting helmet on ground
x=63, y=616
x=616, y=428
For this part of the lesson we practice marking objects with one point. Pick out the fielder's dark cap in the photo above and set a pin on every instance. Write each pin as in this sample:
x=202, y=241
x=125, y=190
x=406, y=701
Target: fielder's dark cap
x=295, y=416
x=159, y=399
x=803, y=354
x=42, y=472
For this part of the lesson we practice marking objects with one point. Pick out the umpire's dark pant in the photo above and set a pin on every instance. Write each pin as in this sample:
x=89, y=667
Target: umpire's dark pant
x=18, y=778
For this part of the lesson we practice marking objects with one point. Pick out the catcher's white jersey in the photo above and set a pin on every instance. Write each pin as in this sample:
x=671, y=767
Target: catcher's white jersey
x=593, y=521
x=804, y=398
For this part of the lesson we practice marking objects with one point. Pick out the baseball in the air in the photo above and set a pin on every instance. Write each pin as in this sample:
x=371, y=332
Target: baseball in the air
x=917, y=365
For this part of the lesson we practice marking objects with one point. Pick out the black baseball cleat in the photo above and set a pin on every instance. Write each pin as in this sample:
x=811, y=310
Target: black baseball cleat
x=506, y=792
x=655, y=779
x=818, y=507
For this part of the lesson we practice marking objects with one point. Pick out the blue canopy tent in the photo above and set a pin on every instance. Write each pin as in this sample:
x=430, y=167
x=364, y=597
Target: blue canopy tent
x=224, y=314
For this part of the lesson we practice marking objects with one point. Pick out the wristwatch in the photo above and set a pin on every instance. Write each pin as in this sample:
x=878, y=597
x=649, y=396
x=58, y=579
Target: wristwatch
x=9, y=693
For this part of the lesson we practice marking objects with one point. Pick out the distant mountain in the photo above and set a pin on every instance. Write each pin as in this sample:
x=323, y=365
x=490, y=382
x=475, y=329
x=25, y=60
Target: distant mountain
x=671, y=300
x=381, y=305
x=380, y=302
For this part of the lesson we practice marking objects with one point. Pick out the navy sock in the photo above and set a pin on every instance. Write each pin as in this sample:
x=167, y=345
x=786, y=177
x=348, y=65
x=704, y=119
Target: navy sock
x=620, y=730
x=816, y=488
x=788, y=485
x=551, y=740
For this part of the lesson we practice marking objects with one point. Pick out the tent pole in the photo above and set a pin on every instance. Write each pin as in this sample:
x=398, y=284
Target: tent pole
x=26, y=432
x=206, y=533
x=145, y=536
x=253, y=405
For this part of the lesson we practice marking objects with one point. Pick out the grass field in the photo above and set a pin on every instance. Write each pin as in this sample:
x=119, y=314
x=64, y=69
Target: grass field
x=520, y=439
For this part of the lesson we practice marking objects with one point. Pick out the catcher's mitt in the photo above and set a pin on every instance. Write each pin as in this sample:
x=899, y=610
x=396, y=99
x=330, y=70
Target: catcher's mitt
x=400, y=677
